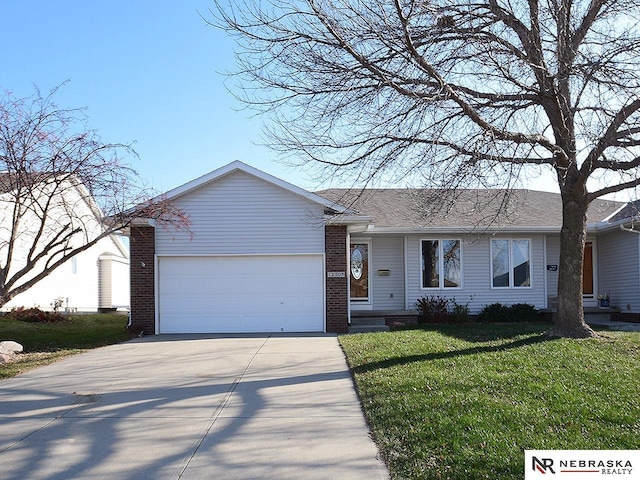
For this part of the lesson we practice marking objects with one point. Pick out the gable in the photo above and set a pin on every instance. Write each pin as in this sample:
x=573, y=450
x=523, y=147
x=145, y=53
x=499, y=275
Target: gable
x=239, y=213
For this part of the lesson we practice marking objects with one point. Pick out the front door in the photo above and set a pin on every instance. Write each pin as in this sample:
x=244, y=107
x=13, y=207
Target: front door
x=359, y=268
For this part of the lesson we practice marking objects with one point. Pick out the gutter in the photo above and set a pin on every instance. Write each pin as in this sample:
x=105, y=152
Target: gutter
x=373, y=230
x=631, y=230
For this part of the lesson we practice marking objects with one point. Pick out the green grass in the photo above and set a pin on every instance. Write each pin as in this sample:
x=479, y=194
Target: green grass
x=47, y=342
x=464, y=402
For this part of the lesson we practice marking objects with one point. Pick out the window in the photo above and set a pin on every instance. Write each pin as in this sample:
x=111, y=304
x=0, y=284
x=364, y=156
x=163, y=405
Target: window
x=74, y=265
x=510, y=263
x=441, y=264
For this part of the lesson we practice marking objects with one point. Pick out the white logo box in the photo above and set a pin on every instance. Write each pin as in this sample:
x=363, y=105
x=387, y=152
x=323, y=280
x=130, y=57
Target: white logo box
x=582, y=464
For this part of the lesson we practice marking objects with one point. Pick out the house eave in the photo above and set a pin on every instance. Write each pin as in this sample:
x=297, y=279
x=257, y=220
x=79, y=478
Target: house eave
x=354, y=223
x=347, y=219
x=143, y=222
x=618, y=225
x=493, y=229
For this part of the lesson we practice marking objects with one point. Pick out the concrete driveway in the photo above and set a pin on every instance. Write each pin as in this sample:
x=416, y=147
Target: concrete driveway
x=199, y=407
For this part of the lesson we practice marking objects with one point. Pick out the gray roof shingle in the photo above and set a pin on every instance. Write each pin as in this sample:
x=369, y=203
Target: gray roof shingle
x=419, y=208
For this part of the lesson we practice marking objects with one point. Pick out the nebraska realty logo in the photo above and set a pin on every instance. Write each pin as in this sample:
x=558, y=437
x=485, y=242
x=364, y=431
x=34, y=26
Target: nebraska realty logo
x=582, y=464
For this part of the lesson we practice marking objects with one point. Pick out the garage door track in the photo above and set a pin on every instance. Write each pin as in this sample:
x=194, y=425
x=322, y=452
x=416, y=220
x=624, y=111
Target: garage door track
x=190, y=407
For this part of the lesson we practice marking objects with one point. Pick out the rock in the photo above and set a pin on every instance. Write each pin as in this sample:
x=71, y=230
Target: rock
x=9, y=347
x=5, y=358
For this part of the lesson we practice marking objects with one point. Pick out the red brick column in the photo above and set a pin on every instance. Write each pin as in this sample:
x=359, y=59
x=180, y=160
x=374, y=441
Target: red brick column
x=335, y=245
x=142, y=275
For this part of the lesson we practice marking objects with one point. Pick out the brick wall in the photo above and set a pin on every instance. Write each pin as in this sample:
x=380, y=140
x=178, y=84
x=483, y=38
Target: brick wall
x=335, y=241
x=142, y=266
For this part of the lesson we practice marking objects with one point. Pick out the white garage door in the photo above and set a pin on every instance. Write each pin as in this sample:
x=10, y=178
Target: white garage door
x=241, y=294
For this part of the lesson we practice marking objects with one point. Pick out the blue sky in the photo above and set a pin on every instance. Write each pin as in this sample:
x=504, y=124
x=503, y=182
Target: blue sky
x=148, y=72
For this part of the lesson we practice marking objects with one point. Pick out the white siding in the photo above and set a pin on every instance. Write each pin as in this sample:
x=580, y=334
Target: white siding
x=79, y=289
x=387, y=291
x=619, y=269
x=476, y=275
x=242, y=214
x=120, y=283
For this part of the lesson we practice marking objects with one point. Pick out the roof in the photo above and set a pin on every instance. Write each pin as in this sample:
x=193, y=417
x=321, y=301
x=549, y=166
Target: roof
x=630, y=211
x=464, y=209
x=10, y=181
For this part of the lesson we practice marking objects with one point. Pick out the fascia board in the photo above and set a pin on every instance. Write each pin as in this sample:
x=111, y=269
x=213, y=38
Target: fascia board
x=460, y=230
x=591, y=227
x=143, y=222
x=345, y=219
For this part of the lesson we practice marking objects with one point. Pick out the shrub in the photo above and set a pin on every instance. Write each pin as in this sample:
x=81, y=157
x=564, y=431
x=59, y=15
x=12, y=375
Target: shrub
x=458, y=313
x=432, y=309
x=524, y=312
x=496, y=312
x=35, y=315
x=518, y=312
x=436, y=309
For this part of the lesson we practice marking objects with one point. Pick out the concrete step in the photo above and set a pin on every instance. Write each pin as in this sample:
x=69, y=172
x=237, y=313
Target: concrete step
x=368, y=328
x=361, y=321
x=597, y=317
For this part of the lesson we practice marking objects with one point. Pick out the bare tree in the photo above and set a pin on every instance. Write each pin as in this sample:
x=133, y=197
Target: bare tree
x=62, y=190
x=456, y=93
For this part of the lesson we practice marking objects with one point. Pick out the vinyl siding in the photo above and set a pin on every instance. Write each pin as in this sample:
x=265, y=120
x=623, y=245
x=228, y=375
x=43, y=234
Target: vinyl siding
x=619, y=269
x=119, y=283
x=476, y=274
x=79, y=289
x=104, y=282
x=242, y=214
x=387, y=291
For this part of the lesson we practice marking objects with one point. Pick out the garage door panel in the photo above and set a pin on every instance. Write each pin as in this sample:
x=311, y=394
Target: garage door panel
x=241, y=294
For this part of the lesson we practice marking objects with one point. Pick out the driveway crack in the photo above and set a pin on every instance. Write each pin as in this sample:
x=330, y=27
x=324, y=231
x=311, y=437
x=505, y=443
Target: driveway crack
x=221, y=407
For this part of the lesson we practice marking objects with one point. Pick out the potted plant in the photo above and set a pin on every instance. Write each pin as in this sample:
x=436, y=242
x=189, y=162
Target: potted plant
x=603, y=300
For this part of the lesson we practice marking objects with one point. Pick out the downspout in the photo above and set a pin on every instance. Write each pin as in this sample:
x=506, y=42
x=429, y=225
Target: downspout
x=544, y=273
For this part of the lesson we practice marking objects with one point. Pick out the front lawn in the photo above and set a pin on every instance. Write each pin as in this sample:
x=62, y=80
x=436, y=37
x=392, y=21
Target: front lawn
x=464, y=402
x=47, y=342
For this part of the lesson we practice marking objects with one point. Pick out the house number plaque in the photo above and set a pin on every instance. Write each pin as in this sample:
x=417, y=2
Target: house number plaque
x=336, y=275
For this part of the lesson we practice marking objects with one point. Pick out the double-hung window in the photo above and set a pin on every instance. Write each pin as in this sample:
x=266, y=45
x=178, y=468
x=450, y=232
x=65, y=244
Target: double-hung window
x=441, y=263
x=510, y=263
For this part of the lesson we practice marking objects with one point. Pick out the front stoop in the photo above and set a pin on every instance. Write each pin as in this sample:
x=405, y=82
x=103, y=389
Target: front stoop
x=598, y=316
x=367, y=325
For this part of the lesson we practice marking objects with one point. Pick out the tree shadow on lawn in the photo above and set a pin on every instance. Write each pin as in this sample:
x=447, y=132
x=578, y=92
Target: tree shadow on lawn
x=485, y=332
x=426, y=357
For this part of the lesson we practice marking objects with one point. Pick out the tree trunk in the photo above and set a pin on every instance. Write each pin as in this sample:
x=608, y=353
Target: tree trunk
x=569, y=321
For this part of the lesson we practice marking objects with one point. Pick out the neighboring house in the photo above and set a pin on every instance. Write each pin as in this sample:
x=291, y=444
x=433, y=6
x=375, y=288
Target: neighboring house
x=266, y=256
x=96, y=279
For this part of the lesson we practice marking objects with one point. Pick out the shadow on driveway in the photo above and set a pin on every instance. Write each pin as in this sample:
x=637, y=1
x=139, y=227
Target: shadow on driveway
x=223, y=407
